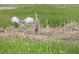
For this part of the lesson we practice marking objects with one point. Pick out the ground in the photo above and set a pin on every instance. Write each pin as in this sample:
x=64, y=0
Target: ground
x=69, y=31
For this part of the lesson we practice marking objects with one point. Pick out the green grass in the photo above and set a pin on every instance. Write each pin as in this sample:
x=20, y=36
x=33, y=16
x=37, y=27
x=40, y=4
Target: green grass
x=55, y=14
x=28, y=46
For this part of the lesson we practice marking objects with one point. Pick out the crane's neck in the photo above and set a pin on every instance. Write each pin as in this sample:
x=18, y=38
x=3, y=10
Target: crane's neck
x=36, y=16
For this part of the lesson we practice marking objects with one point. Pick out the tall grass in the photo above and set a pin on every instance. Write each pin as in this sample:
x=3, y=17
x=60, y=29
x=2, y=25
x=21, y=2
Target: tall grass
x=21, y=45
x=56, y=15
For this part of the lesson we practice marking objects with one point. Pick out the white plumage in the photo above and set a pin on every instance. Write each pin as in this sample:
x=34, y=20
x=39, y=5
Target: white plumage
x=15, y=20
x=28, y=20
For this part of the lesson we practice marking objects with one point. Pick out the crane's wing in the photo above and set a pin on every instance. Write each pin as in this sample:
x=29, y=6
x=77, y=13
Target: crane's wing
x=28, y=20
x=15, y=20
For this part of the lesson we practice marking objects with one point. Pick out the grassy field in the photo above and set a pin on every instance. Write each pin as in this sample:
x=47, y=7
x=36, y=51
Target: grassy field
x=52, y=15
x=55, y=15
x=23, y=46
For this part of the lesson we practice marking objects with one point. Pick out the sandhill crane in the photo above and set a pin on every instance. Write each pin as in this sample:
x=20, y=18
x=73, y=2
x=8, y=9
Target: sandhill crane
x=30, y=20
x=36, y=23
x=23, y=23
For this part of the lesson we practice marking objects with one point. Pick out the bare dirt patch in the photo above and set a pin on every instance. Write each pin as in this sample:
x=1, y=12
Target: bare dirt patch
x=67, y=32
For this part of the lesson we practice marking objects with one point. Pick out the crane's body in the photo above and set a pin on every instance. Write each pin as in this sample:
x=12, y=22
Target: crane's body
x=28, y=20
